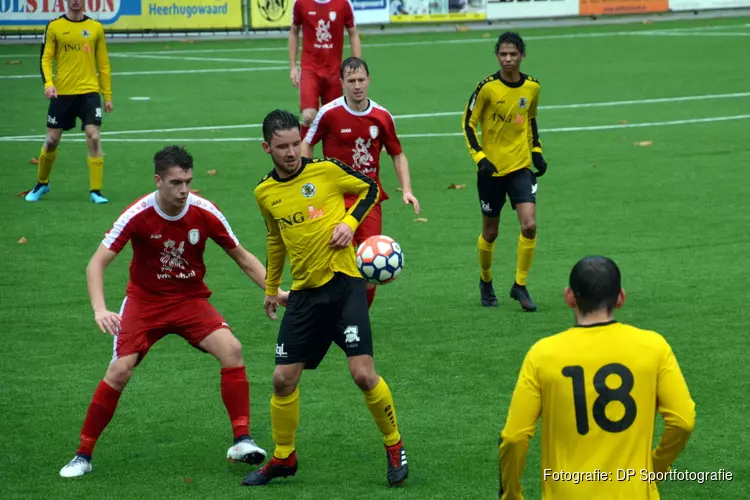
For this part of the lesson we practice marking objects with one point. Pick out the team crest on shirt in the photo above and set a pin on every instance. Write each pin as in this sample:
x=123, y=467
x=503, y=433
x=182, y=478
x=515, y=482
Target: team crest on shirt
x=85, y=33
x=194, y=236
x=308, y=190
x=522, y=102
x=374, y=131
x=332, y=16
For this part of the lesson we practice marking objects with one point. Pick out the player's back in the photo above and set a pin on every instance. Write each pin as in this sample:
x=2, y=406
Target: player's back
x=75, y=45
x=599, y=387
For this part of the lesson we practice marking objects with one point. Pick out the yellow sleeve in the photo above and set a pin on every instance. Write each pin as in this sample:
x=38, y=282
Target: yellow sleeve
x=49, y=46
x=102, y=62
x=678, y=410
x=472, y=115
x=349, y=180
x=525, y=407
x=275, y=252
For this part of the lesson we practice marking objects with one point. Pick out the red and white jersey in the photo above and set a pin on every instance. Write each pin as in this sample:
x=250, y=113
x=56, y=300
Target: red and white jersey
x=168, y=250
x=323, y=23
x=356, y=137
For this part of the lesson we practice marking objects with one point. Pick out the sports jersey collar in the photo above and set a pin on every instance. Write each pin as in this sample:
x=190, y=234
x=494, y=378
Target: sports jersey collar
x=594, y=325
x=172, y=217
x=276, y=177
x=358, y=113
x=83, y=19
x=322, y=1
x=513, y=85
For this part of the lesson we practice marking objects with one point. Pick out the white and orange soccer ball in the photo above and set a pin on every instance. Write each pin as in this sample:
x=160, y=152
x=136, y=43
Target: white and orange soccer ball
x=380, y=259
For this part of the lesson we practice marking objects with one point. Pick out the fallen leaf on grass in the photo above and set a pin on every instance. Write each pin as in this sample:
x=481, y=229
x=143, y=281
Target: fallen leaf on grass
x=23, y=241
x=420, y=219
x=647, y=21
x=457, y=186
x=485, y=35
x=13, y=63
x=212, y=172
x=645, y=143
x=23, y=193
x=462, y=28
x=399, y=190
x=189, y=40
x=623, y=122
x=34, y=161
x=187, y=480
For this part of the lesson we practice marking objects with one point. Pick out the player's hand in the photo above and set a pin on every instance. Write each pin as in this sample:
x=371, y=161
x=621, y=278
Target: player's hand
x=486, y=168
x=108, y=322
x=539, y=164
x=271, y=305
x=50, y=92
x=294, y=76
x=108, y=107
x=408, y=198
x=283, y=297
x=342, y=236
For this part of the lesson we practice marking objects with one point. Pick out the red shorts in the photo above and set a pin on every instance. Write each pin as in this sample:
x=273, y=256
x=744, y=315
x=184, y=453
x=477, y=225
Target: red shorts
x=313, y=87
x=145, y=322
x=371, y=226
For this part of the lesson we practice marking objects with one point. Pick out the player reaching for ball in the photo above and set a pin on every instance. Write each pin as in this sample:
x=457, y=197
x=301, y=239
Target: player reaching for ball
x=354, y=129
x=302, y=202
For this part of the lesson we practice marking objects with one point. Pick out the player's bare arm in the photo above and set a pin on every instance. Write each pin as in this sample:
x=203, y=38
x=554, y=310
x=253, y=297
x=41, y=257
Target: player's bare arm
x=254, y=269
x=354, y=41
x=293, y=49
x=108, y=321
x=306, y=149
x=401, y=165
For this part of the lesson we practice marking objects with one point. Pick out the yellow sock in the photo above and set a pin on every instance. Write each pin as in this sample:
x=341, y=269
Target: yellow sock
x=380, y=403
x=96, y=173
x=46, y=159
x=284, y=422
x=485, y=258
x=525, y=256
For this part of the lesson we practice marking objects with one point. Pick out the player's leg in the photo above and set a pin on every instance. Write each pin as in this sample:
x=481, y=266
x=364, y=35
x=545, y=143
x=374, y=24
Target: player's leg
x=353, y=334
x=371, y=226
x=91, y=117
x=491, y=192
x=522, y=192
x=59, y=116
x=309, y=96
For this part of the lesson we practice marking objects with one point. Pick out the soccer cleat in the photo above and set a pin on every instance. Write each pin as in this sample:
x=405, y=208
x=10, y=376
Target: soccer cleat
x=398, y=469
x=487, y=292
x=276, y=467
x=245, y=450
x=38, y=191
x=79, y=466
x=519, y=293
x=96, y=197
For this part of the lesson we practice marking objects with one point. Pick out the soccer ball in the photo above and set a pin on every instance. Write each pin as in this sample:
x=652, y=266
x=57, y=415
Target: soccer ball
x=380, y=259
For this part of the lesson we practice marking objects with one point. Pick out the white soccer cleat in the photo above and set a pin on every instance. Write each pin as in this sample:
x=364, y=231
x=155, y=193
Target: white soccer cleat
x=246, y=451
x=76, y=467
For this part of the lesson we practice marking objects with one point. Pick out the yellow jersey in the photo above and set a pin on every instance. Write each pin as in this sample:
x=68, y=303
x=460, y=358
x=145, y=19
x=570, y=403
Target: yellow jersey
x=506, y=112
x=79, y=48
x=597, y=389
x=301, y=213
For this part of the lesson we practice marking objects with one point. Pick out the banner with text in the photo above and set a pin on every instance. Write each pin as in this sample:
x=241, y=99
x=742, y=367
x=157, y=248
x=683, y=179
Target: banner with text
x=614, y=7
x=133, y=15
x=526, y=9
x=707, y=4
x=430, y=11
x=371, y=11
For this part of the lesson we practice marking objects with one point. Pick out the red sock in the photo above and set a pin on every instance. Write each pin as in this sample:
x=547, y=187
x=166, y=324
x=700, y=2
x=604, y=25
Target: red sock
x=370, y=296
x=100, y=412
x=235, y=392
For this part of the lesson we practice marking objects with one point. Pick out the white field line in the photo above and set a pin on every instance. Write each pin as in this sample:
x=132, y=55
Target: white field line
x=410, y=136
x=417, y=43
x=703, y=34
x=166, y=72
x=409, y=116
x=183, y=58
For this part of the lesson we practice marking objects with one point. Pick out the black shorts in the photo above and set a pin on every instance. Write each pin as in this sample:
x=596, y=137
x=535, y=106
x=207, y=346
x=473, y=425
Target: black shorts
x=64, y=110
x=316, y=317
x=519, y=186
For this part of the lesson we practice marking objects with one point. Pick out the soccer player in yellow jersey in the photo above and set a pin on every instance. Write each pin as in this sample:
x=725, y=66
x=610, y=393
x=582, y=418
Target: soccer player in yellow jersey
x=302, y=202
x=76, y=42
x=505, y=105
x=597, y=387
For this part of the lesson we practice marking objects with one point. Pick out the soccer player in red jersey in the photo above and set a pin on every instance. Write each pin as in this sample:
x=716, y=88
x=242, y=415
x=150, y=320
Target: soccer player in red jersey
x=323, y=23
x=354, y=129
x=168, y=230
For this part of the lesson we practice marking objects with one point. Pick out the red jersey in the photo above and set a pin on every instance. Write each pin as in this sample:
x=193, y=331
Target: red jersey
x=356, y=137
x=323, y=23
x=168, y=250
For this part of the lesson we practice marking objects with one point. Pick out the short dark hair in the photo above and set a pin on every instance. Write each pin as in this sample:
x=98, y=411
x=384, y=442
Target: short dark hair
x=172, y=156
x=512, y=38
x=353, y=64
x=276, y=120
x=596, y=283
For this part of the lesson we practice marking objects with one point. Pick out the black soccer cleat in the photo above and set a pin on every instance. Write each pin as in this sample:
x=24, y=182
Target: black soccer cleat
x=487, y=293
x=398, y=469
x=276, y=467
x=521, y=294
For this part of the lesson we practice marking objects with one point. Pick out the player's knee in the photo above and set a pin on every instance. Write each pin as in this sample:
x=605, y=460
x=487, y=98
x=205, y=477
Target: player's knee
x=489, y=234
x=51, y=142
x=284, y=381
x=118, y=375
x=308, y=117
x=92, y=134
x=528, y=229
x=365, y=377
